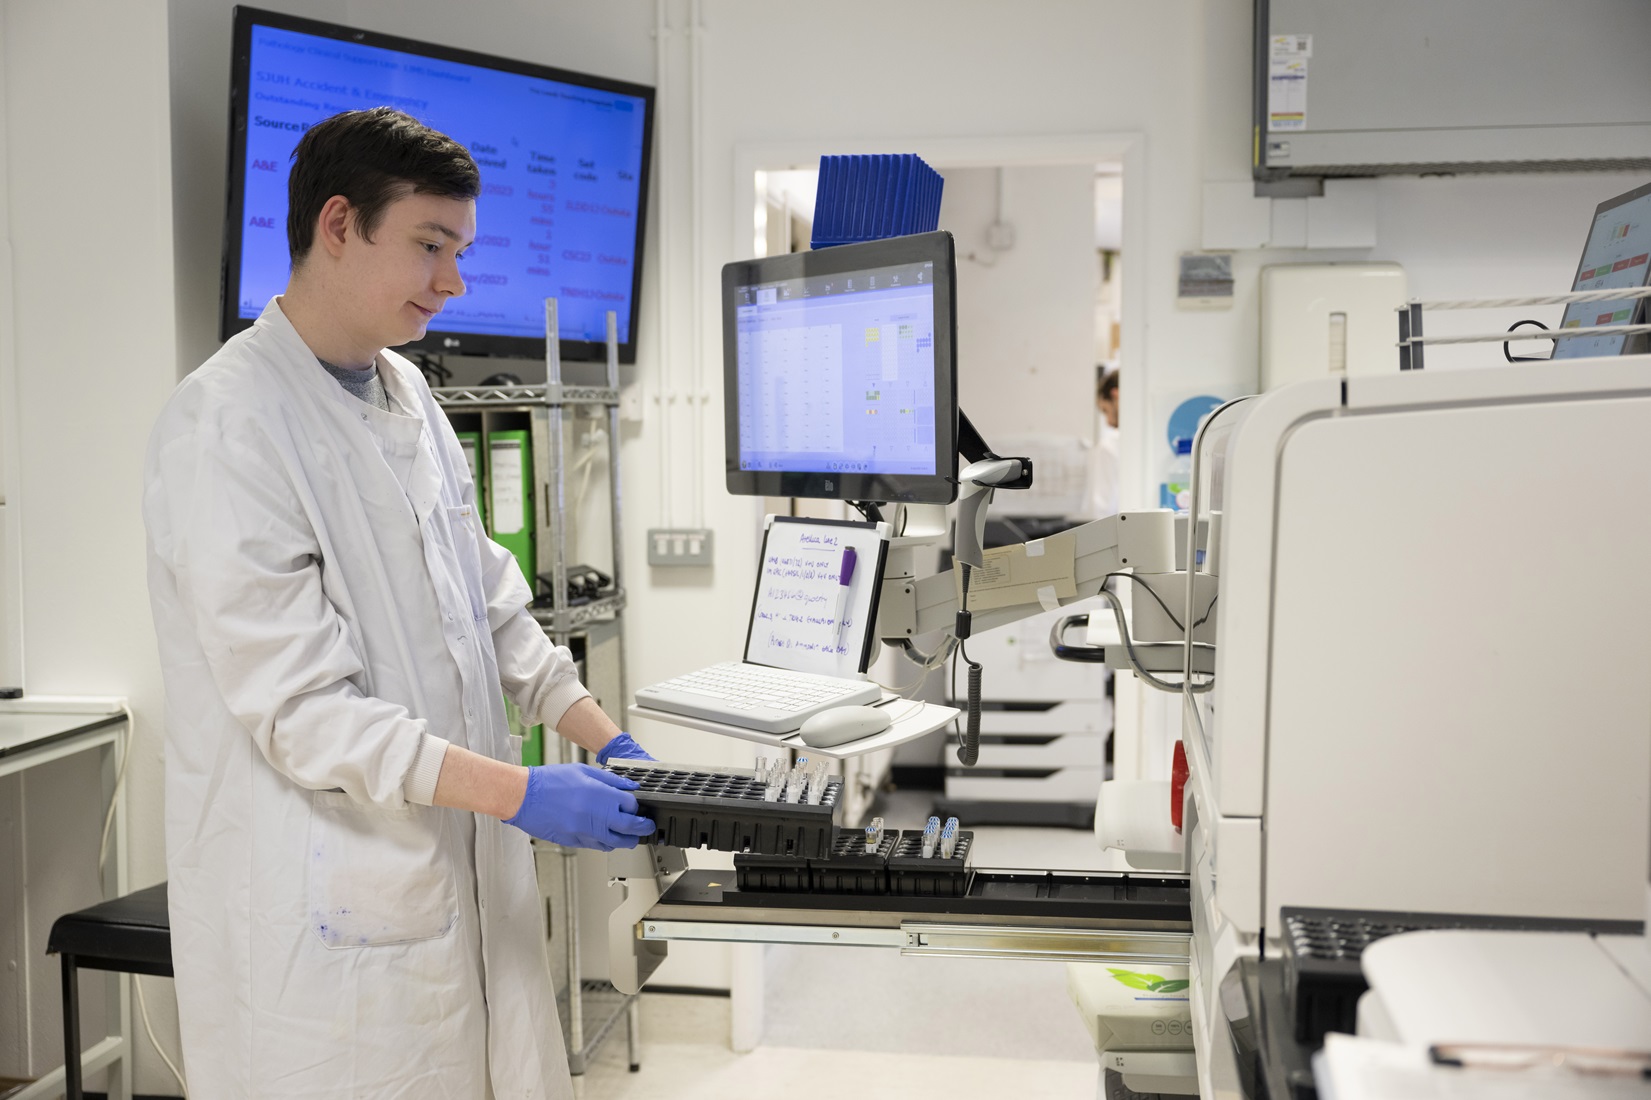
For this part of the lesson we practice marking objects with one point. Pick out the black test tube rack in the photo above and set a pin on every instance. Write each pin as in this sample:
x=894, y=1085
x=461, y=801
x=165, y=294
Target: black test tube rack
x=896, y=867
x=911, y=875
x=726, y=811
x=850, y=869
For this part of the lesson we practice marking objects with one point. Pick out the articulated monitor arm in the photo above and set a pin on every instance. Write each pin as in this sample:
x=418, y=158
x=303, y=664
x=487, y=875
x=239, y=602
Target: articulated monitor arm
x=1143, y=542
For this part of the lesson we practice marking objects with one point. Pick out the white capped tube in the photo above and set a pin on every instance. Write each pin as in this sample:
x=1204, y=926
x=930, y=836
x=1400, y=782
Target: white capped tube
x=948, y=838
x=817, y=776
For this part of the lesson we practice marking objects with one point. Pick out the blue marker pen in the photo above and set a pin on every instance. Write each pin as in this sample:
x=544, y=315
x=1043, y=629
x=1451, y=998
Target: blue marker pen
x=844, y=577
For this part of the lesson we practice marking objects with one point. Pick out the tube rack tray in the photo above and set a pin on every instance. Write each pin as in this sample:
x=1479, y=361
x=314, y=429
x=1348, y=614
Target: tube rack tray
x=897, y=867
x=726, y=811
x=935, y=877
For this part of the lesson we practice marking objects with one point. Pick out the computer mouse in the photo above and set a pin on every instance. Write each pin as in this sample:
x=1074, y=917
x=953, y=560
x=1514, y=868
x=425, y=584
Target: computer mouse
x=840, y=725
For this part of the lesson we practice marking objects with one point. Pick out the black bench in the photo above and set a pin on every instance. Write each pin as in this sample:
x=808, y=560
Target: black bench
x=130, y=935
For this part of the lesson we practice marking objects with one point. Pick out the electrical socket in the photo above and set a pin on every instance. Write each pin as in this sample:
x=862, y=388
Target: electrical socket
x=679, y=546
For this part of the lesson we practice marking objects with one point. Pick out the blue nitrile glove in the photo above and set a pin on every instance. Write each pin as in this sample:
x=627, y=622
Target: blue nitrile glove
x=622, y=748
x=578, y=806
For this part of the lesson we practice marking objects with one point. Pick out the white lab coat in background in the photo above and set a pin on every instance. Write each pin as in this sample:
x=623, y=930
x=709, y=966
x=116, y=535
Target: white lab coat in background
x=330, y=616
x=1102, y=497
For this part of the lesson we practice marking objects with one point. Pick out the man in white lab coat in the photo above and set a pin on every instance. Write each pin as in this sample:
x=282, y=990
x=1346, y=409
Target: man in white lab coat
x=354, y=911
x=1102, y=497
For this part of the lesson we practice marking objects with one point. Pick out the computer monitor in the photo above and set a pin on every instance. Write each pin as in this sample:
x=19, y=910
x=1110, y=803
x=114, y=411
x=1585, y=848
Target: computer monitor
x=1617, y=256
x=840, y=372
x=564, y=161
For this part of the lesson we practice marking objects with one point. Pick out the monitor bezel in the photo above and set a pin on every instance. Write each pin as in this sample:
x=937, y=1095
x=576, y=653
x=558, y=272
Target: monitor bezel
x=1639, y=311
x=939, y=487
x=435, y=341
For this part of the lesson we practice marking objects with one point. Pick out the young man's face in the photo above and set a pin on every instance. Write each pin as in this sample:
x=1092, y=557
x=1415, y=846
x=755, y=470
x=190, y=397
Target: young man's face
x=392, y=285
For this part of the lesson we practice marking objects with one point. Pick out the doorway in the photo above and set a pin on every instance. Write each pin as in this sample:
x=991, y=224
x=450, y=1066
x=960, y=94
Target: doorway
x=1044, y=299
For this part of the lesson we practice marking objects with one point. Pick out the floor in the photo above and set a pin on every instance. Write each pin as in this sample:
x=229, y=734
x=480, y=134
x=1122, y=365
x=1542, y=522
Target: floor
x=866, y=1023
x=686, y=1057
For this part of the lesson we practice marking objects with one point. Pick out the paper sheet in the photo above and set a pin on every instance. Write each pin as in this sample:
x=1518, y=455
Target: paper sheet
x=1287, y=82
x=507, y=505
x=1350, y=1068
x=1013, y=575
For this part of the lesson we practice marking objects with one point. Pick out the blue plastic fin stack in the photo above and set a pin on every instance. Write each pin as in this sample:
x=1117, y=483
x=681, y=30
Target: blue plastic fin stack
x=865, y=198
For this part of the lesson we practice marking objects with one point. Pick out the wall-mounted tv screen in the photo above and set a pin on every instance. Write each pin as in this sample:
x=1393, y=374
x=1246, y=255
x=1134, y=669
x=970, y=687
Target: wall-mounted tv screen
x=564, y=161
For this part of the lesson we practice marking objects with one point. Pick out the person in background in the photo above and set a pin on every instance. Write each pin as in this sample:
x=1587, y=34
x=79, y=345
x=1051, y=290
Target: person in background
x=353, y=902
x=1102, y=498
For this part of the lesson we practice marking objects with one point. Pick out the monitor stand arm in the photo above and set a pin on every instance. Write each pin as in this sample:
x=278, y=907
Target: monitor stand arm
x=985, y=473
x=972, y=447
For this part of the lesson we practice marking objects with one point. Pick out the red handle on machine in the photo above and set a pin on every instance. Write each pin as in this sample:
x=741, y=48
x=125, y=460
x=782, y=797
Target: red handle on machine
x=1177, y=784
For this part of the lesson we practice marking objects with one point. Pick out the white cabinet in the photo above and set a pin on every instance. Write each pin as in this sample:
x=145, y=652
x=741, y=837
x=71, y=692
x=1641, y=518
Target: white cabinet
x=1044, y=726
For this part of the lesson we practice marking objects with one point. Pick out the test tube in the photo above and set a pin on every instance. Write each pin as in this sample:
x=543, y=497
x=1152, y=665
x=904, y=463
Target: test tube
x=931, y=836
x=816, y=781
x=794, y=780
x=874, y=835
x=773, y=781
x=948, y=838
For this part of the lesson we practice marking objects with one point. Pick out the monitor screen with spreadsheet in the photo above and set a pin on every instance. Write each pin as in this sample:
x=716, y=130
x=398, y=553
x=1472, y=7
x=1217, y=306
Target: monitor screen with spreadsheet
x=840, y=372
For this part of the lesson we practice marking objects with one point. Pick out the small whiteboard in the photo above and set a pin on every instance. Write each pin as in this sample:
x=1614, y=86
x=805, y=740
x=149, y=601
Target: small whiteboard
x=803, y=617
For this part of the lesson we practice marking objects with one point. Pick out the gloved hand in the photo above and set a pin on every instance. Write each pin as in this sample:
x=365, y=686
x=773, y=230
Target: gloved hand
x=622, y=748
x=578, y=806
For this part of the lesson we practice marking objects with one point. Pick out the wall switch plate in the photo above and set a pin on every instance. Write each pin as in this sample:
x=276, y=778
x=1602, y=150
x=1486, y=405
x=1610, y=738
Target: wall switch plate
x=679, y=546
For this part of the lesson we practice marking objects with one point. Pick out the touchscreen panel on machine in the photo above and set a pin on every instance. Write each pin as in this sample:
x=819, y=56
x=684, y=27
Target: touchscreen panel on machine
x=1615, y=258
x=837, y=372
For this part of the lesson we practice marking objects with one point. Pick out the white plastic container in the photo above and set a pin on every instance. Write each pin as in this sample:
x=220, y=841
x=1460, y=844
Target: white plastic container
x=1175, y=491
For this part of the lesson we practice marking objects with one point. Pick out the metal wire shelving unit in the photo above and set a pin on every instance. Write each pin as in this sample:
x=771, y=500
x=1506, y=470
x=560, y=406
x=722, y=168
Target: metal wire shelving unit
x=589, y=1009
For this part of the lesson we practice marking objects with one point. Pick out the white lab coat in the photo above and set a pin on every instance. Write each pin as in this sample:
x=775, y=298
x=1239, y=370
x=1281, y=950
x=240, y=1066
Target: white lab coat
x=1101, y=500
x=330, y=617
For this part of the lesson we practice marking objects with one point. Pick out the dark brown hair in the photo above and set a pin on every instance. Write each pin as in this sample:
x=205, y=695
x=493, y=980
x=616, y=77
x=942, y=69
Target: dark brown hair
x=1106, y=383
x=372, y=158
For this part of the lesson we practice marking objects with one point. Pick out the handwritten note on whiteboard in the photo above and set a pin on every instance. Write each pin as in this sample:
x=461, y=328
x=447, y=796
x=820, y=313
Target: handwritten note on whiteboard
x=803, y=617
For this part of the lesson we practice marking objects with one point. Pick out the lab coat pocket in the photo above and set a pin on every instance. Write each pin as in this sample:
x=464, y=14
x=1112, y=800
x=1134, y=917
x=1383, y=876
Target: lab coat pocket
x=377, y=876
x=463, y=523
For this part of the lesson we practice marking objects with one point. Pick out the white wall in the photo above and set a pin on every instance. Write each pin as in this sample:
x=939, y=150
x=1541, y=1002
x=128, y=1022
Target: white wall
x=978, y=69
x=1457, y=236
x=88, y=197
x=106, y=316
x=11, y=573
x=1025, y=315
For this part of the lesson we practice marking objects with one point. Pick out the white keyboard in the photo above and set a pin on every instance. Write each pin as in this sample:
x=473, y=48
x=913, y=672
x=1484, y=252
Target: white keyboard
x=772, y=700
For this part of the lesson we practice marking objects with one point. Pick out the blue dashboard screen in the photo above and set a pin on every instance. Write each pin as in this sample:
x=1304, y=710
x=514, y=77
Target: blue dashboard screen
x=561, y=165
